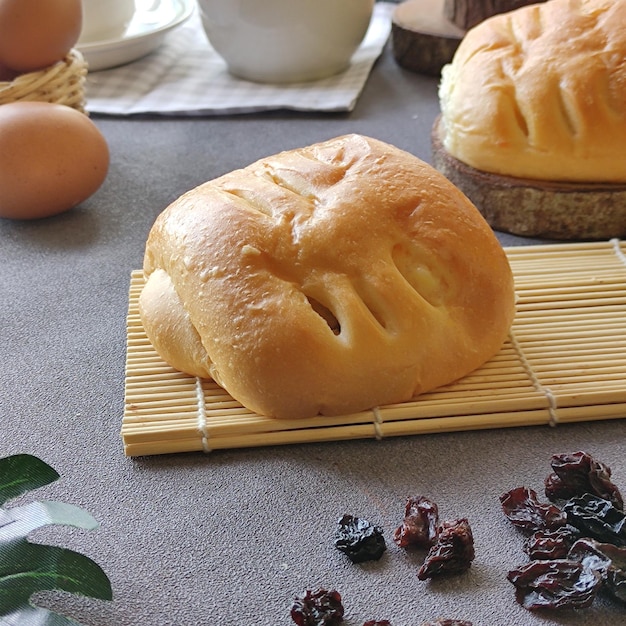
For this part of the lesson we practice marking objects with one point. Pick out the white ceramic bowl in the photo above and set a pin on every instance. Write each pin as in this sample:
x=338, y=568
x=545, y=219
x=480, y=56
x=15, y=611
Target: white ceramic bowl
x=280, y=41
x=105, y=20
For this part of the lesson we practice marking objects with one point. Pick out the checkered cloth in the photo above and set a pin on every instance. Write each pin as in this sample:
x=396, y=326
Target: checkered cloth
x=185, y=76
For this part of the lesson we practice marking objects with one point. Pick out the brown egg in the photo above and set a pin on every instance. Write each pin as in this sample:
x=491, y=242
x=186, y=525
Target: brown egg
x=35, y=34
x=7, y=75
x=52, y=157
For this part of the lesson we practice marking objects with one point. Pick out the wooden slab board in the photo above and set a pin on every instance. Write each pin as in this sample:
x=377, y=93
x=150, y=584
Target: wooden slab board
x=423, y=39
x=467, y=13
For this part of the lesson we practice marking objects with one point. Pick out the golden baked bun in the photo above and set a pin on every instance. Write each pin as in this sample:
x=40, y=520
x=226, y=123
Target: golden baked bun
x=326, y=280
x=540, y=93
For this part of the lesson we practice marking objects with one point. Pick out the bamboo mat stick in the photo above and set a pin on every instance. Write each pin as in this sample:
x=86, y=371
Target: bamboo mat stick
x=563, y=305
x=554, y=318
x=577, y=333
x=159, y=431
x=153, y=415
x=150, y=448
x=598, y=352
x=534, y=343
x=572, y=291
x=566, y=265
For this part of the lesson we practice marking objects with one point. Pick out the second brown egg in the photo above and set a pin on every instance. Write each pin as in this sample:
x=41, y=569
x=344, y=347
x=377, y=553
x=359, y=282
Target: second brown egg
x=35, y=34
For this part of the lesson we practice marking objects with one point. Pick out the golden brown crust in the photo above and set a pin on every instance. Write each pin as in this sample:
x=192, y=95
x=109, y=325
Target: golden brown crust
x=539, y=93
x=332, y=279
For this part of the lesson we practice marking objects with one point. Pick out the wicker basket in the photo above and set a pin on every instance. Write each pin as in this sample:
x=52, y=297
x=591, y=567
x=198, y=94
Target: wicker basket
x=61, y=83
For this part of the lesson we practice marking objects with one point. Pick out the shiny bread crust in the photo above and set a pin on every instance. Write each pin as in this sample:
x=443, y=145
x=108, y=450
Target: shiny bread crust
x=326, y=280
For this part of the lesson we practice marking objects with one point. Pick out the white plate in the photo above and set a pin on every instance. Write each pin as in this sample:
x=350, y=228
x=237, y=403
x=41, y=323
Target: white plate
x=144, y=34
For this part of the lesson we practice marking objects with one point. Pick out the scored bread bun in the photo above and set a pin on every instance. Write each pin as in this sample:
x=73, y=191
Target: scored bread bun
x=326, y=280
x=540, y=93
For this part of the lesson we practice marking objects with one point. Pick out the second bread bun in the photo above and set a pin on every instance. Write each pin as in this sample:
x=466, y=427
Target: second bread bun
x=540, y=92
x=326, y=280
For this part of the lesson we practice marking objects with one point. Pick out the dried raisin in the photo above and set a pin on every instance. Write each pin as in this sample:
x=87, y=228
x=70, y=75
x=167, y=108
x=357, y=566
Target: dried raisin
x=453, y=551
x=359, y=540
x=318, y=608
x=578, y=473
x=607, y=559
x=522, y=507
x=551, y=544
x=419, y=527
x=447, y=622
x=555, y=584
x=597, y=518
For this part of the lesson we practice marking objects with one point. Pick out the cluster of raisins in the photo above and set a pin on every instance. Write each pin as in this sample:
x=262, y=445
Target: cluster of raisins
x=324, y=608
x=576, y=542
x=450, y=546
x=450, y=543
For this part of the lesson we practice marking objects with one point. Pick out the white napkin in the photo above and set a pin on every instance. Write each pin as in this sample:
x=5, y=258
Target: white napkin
x=185, y=76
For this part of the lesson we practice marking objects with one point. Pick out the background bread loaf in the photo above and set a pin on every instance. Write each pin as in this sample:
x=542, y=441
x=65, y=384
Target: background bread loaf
x=539, y=93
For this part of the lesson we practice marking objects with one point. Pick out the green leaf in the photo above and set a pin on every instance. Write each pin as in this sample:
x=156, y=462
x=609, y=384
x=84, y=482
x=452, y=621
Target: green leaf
x=27, y=567
x=20, y=520
x=35, y=616
x=21, y=473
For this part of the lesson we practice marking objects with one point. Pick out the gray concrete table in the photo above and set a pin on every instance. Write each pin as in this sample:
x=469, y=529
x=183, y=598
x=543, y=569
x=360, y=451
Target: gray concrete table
x=230, y=538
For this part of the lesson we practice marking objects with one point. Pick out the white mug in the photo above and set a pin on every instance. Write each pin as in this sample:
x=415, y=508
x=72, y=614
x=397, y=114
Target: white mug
x=285, y=40
x=105, y=20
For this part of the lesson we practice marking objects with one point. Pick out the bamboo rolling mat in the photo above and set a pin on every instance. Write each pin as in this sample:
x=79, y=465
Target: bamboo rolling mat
x=564, y=361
